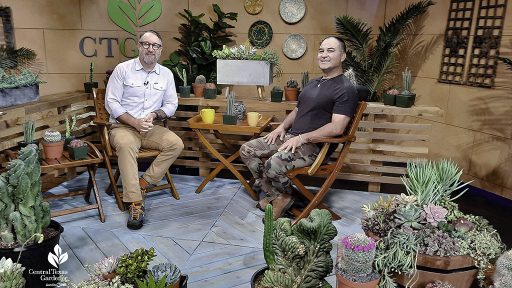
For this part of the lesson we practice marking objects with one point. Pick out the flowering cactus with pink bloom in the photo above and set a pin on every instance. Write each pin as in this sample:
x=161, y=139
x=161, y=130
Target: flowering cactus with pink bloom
x=393, y=92
x=356, y=264
x=434, y=214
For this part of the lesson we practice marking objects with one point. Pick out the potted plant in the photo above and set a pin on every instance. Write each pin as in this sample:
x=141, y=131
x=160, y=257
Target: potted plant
x=198, y=86
x=390, y=97
x=11, y=274
x=291, y=90
x=29, y=128
x=26, y=218
x=243, y=65
x=70, y=126
x=184, y=89
x=88, y=86
x=210, y=91
x=53, y=144
x=230, y=118
x=375, y=58
x=77, y=149
x=276, y=95
x=354, y=268
x=296, y=254
x=104, y=269
x=424, y=231
x=167, y=274
x=305, y=79
x=406, y=98
x=134, y=265
x=18, y=83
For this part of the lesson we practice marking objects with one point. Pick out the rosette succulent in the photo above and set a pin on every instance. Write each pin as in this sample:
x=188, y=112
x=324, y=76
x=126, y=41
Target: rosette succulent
x=11, y=274
x=105, y=266
x=434, y=214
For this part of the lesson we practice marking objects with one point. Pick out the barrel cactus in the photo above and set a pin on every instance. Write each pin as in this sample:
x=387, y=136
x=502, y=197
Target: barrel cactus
x=52, y=136
x=11, y=274
x=301, y=251
x=503, y=275
x=22, y=210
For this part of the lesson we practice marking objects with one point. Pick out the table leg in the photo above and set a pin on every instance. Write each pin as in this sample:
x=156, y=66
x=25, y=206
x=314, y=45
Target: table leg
x=226, y=163
x=92, y=176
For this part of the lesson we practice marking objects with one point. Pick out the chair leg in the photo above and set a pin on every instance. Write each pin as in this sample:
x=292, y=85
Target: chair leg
x=174, y=192
x=113, y=182
x=318, y=197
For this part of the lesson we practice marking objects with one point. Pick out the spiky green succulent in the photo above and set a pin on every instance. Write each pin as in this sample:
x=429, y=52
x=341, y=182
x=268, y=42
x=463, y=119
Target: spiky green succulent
x=11, y=274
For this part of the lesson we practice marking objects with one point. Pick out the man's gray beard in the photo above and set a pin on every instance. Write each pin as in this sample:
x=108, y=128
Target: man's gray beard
x=149, y=59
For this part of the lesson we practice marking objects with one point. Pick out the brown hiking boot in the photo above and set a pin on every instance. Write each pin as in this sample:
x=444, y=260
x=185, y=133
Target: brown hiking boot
x=136, y=217
x=281, y=204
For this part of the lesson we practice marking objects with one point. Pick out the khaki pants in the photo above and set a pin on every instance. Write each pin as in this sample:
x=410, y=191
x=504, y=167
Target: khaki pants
x=126, y=141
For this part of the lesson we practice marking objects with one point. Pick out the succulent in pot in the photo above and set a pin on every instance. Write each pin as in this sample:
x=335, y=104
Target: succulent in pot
x=77, y=149
x=276, y=95
x=291, y=90
x=390, y=97
x=185, y=89
x=70, y=126
x=355, y=263
x=105, y=269
x=210, y=91
x=53, y=144
x=198, y=86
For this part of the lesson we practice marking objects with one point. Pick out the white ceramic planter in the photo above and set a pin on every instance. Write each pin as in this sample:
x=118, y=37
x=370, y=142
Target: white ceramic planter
x=244, y=72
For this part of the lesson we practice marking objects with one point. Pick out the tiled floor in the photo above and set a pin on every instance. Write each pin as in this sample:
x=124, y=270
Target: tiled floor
x=215, y=237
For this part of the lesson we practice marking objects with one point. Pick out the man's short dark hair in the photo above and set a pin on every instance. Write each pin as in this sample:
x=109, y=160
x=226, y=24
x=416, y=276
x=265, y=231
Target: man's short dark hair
x=340, y=41
x=152, y=32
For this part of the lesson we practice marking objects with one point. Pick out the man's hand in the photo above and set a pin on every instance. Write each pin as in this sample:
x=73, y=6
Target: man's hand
x=150, y=117
x=142, y=126
x=291, y=144
x=271, y=137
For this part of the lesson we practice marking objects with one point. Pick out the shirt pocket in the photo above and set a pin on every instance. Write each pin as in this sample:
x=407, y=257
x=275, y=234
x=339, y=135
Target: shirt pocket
x=159, y=89
x=133, y=90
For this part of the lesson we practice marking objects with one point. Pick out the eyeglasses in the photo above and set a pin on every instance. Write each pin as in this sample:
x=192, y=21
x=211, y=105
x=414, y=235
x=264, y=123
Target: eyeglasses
x=146, y=45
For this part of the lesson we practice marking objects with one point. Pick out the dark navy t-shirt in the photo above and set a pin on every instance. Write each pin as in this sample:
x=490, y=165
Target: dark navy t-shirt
x=320, y=99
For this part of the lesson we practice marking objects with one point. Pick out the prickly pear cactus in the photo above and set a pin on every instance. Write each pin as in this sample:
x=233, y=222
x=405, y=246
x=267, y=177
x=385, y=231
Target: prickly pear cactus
x=302, y=252
x=22, y=210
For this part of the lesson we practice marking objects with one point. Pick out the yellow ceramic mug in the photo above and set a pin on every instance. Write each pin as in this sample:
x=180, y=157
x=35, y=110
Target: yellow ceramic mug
x=253, y=118
x=208, y=115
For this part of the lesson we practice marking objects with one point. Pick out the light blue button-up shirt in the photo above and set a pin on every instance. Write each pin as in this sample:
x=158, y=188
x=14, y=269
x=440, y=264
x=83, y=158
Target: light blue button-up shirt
x=137, y=92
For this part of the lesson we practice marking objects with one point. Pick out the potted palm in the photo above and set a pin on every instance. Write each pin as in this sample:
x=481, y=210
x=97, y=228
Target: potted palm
x=374, y=60
x=88, y=86
x=291, y=90
x=298, y=253
x=25, y=220
x=18, y=83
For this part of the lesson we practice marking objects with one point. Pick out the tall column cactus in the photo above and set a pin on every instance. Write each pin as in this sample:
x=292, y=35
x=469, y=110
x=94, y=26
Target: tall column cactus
x=22, y=210
x=230, y=104
x=302, y=252
x=29, y=130
x=406, y=78
x=268, y=249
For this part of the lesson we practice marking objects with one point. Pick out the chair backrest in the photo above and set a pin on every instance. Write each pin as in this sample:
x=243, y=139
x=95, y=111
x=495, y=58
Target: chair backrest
x=354, y=122
x=99, y=103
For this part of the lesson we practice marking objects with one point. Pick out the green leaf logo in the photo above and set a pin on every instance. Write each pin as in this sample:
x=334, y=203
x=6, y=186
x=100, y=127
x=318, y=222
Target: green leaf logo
x=131, y=14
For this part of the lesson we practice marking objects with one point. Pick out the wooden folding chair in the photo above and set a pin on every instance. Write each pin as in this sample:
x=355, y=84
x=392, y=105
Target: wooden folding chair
x=331, y=170
x=102, y=120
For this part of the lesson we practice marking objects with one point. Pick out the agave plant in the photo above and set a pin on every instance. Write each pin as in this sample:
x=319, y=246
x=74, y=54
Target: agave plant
x=375, y=62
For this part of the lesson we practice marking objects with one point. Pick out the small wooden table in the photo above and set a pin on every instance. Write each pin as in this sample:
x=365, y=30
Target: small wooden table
x=65, y=162
x=220, y=131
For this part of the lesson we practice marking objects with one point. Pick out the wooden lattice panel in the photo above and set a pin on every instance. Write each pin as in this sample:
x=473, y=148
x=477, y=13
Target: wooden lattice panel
x=486, y=43
x=456, y=41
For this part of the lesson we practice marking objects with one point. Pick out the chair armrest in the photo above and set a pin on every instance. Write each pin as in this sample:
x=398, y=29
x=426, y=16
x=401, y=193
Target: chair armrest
x=332, y=140
x=101, y=122
x=319, y=160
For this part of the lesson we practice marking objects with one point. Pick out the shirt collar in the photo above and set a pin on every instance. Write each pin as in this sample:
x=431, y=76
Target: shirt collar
x=138, y=66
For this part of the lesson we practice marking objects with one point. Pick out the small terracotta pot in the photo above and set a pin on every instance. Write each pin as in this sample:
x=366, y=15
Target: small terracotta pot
x=198, y=89
x=53, y=150
x=110, y=276
x=342, y=282
x=291, y=94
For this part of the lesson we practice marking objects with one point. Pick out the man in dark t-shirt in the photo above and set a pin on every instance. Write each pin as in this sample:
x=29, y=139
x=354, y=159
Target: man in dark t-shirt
x=324, y=109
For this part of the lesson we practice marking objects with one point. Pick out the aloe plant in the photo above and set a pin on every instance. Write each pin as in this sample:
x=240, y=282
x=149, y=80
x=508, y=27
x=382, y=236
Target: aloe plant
x=375, y=62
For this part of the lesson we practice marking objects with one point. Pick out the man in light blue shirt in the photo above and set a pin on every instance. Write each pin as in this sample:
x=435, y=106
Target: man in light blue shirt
x=139, y=91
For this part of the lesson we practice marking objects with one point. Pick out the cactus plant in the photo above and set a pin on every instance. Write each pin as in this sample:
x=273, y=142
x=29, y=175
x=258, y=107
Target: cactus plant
x=182, y=75
x=503, y=274
x=292, y=84
x=170, y=272
x=305, y=79
x=29, y=130
x=268, y=249
x=356, y=264
x=11, y=274
x=406, y=78
x=134, y=265
x=70, y=125
x=230, y=104
x=302, y=251
x=200, y=80
x=91, y=70
x=22, y=210
x=51, y=136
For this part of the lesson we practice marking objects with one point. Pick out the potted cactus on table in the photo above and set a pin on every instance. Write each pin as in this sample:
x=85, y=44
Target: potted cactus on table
x=276, y=95
x=297, y=255
x=230, y=118
x=70, y=126
x=53, y=144
x=185, y=89
x=210, y=91
x=291, y=90
x=88, y=86
x=198, y=86
x=406, y=98
x=24, y=215
x=77, y=149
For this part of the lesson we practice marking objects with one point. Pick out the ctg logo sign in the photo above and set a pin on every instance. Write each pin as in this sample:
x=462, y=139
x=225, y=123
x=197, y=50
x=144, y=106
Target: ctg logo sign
x=128, y=15
x=58, y=257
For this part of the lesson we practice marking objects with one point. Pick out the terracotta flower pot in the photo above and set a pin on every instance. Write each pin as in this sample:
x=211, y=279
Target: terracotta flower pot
x=198, y=89
x=342, y=282
x=291, y=94
x=53, y=150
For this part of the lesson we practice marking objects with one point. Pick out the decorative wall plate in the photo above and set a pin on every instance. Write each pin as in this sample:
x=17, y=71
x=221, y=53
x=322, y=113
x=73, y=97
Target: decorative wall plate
x=294, y=46
x=292, y=10
x=260, y=34
x=253, y=7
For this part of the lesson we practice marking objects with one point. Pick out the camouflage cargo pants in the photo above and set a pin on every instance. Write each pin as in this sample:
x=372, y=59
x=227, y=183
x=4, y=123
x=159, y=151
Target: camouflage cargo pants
x=271, y=175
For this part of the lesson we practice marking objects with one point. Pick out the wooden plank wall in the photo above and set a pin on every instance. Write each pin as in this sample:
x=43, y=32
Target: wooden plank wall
x=384, y=144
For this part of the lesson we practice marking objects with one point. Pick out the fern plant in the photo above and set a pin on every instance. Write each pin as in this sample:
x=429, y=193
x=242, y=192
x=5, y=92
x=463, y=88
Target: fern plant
x=375, y=62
